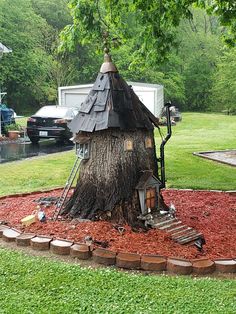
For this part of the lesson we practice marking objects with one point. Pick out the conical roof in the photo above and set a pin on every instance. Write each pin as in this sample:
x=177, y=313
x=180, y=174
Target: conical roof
x=112, y=103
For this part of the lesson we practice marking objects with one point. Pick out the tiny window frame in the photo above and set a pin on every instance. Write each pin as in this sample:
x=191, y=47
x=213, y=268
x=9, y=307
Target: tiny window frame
x=148, y=142
x=83, y=150
x=128, y=145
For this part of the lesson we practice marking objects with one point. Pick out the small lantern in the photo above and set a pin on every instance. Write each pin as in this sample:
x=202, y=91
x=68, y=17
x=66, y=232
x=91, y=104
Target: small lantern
x=148, y=190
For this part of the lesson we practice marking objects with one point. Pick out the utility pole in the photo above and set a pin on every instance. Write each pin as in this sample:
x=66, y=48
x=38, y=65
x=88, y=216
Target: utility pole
x=3, y=49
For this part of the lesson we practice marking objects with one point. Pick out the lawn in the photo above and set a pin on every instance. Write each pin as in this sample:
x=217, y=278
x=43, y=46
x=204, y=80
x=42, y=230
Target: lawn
x=38, y=285
x=197, y=132
x=200, y=132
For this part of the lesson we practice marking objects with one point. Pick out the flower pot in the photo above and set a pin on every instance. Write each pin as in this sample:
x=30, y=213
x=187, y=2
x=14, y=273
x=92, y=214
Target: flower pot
x=13, y=135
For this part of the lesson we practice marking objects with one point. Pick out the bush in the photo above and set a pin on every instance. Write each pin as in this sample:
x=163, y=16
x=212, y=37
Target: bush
x=13, y=127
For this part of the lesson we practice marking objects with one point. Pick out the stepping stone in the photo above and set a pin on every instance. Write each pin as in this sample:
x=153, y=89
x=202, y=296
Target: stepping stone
x=40, y=243
x=225, y=265
x=60, y=247
x=9, y=235
x=179, y=266
x=24, y=239
x=2, y=228
x=81, y=251
x=128, y=260
x=153, y=263
x=105, y=257
x=203, y=266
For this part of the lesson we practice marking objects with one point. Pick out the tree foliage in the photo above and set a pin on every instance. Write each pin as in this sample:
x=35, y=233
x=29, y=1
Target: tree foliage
x=224, y=84
x=32, y=73
x=157, y=21
x=24, y=71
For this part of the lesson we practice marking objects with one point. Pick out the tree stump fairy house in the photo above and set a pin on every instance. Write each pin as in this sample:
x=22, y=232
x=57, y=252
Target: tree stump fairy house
x=114, y=134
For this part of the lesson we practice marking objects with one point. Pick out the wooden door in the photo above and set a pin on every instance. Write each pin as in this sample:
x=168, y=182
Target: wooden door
x=151, y=198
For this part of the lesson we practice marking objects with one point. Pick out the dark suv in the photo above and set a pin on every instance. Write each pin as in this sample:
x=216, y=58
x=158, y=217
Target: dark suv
x=51, y=122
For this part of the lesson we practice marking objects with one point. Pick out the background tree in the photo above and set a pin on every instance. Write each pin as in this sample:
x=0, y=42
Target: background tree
x=163, y=42
x=223, y=93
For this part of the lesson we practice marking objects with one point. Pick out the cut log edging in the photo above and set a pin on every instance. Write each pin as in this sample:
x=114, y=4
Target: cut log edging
x=124, y=260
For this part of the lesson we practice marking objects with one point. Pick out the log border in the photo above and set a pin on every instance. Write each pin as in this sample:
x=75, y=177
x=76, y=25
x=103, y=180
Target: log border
x=131, y=261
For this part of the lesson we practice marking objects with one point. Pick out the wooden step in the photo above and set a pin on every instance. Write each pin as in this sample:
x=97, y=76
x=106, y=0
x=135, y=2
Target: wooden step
x=184, y=236
x=190, y=239
x=170, y=225
x=160, y=224
x=183, y=229
x=179, y=232
x=183, y=233
x=161, y=218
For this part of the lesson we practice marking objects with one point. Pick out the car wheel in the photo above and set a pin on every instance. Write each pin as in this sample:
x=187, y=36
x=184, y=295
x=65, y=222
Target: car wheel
x=34, y=140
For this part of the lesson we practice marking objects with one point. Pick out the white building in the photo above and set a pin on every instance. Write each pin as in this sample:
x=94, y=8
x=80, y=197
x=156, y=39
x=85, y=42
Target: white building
x=152, y=95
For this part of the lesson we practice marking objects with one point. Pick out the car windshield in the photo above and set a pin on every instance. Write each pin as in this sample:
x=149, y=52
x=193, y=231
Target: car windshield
x=56, y=112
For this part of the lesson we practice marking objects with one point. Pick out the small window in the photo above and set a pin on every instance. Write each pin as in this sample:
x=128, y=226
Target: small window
x=83, y=150
x=128, y=145
x=148, y=142
x=151, y=198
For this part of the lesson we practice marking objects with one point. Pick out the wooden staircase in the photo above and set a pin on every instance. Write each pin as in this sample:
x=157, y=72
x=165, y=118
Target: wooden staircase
x=179, y=232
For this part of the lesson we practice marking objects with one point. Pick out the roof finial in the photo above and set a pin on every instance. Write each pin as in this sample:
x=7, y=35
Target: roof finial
x=107, y=66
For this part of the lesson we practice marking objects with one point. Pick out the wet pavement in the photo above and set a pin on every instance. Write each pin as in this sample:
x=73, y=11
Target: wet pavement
x=25, y=149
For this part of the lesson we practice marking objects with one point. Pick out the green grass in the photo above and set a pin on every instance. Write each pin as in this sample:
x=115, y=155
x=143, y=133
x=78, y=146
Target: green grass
x=37, y=285
x=36, y=174
x=200, y=132
x=197, y=132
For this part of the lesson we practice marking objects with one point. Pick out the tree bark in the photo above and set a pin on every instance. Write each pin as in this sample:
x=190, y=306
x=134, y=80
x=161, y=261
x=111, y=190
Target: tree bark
x=107, y=180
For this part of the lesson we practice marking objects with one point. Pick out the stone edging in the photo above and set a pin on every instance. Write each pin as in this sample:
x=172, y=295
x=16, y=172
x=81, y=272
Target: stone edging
x=130, y=261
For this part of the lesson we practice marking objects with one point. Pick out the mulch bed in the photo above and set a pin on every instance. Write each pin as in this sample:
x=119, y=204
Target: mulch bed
x=212, y=213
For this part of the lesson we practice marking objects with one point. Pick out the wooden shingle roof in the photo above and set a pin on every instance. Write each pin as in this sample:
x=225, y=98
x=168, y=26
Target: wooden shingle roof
x=147, y=178
x=112, y=103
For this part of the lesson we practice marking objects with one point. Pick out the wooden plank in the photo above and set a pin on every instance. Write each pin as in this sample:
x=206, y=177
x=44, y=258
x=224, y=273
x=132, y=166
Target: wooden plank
x=187, y=240
x=161, y=218
x=183, y=236
x=170, y=225
x=176, y=234
x=165, y=222
x=178, y=229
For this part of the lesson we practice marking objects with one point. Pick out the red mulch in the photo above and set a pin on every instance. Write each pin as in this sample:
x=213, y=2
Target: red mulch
x=212, y=213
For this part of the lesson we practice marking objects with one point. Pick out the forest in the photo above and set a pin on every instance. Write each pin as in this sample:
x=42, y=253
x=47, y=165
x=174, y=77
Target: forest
x=54, y=43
